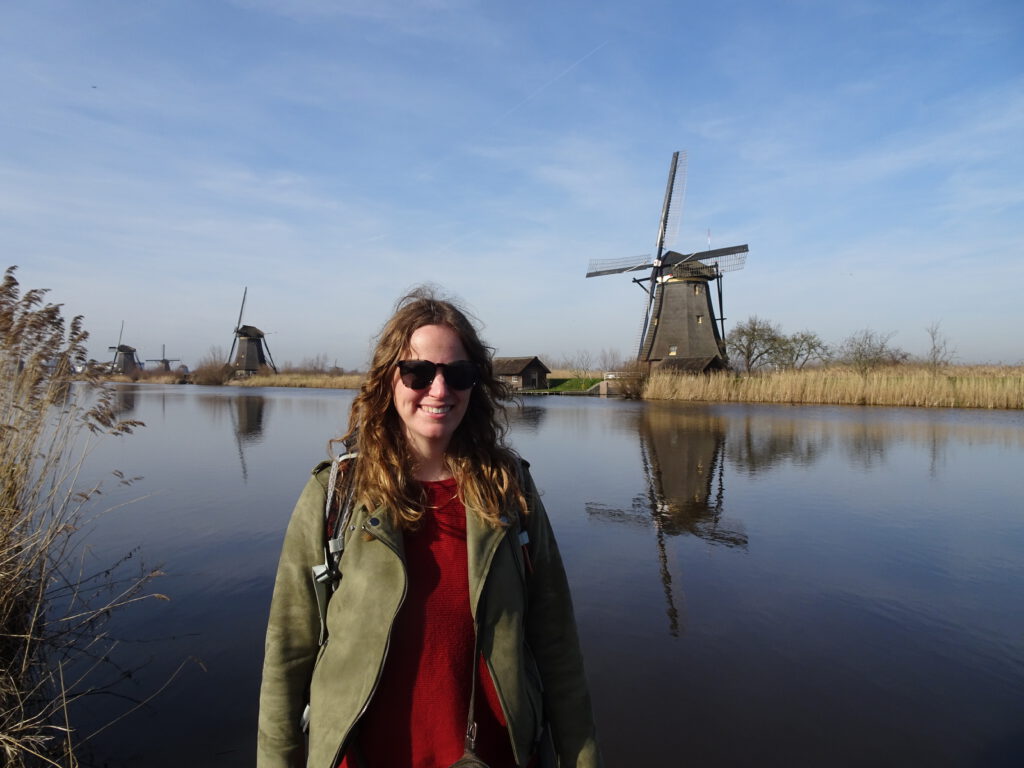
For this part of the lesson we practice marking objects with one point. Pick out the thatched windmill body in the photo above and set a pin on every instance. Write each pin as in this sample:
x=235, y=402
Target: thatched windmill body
x=681, y=328
x=125, y=360
x=253, y=353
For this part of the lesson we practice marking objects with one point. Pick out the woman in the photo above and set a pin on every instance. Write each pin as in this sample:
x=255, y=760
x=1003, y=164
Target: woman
x=448, y=549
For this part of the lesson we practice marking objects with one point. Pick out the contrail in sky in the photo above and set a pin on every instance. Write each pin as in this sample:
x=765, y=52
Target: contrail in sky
x=550, y=82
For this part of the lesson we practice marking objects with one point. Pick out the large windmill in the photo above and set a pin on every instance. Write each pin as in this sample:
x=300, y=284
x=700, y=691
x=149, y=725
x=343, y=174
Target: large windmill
x=681, y=328
x=253, y=352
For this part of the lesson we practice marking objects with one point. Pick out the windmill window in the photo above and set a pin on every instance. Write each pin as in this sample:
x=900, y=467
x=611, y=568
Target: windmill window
x=696, y=289
x=672, y=350
x=700, y=319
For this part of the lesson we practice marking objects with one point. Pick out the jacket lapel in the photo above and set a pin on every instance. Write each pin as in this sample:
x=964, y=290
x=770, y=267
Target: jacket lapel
x=481, y=543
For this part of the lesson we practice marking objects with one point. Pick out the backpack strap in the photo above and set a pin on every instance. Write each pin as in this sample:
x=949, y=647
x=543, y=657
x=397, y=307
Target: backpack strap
x=520, y=536
x=327, y=575
x=337, y=516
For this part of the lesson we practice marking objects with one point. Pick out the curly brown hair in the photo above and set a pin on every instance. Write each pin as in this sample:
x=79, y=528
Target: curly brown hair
x=478, y=457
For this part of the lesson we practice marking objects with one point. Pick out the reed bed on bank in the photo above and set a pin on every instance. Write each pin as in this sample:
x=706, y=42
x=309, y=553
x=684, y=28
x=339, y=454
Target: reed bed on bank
x=904, y=385
x=310, y=380
x=147, y=377
x=52, y=608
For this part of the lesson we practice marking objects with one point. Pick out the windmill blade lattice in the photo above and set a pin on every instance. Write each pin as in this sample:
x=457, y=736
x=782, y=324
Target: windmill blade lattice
x=598, y=267
x=675, y=197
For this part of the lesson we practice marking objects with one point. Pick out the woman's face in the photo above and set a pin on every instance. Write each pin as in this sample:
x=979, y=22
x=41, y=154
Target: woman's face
x=430, y=416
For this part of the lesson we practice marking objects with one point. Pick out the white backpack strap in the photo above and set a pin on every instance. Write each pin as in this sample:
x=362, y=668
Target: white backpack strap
x=326, y=574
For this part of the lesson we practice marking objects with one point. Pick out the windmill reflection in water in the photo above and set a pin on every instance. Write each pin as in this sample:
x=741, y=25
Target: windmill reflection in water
x=683, y=458
x=247, y=414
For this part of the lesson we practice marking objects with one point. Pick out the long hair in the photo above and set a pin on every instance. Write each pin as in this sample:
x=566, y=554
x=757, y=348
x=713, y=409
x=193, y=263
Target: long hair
x=477, y=456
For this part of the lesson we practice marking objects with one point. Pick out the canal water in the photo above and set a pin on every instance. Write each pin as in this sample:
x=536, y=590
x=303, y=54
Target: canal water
x=754, y=585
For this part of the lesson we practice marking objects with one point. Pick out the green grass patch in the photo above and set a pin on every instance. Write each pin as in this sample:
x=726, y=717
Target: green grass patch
x=571, y=385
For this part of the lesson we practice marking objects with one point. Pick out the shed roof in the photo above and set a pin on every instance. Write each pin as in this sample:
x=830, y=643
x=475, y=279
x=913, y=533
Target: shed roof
x=513, y=366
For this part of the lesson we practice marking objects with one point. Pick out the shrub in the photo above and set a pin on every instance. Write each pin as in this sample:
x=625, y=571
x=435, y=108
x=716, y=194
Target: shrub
x=211, y=369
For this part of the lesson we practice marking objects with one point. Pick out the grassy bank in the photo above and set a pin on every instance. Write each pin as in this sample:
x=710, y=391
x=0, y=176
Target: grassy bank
x=572, y=385
x=904, y=385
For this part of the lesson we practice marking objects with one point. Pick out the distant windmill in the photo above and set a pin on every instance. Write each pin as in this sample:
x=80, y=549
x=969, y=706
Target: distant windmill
x=165, y=364
x=253, y=352
x=125, y=360
x=680, y=328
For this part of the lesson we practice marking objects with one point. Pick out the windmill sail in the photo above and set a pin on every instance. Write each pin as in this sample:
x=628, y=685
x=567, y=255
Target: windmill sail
x=600, y=267
x=675, y=196
x=663, y=231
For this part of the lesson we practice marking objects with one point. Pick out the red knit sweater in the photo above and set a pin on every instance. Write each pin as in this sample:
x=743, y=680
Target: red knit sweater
x=417, y=717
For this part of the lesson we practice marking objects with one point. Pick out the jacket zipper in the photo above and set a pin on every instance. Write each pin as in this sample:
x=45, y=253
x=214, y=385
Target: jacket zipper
x=384, y=658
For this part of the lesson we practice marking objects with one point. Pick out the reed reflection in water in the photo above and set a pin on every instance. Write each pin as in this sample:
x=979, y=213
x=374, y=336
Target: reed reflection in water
x=785, y=586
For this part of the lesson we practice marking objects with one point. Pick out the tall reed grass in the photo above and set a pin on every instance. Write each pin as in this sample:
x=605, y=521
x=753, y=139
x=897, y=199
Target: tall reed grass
x=903, y=385
x=311, y=380
x=52, y=610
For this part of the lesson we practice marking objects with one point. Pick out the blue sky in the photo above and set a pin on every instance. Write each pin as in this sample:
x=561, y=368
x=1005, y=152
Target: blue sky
x=157, y=157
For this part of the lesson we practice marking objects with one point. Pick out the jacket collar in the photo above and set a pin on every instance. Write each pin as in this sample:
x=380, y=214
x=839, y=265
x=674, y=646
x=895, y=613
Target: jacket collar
x=378, y=524
x=482, y=541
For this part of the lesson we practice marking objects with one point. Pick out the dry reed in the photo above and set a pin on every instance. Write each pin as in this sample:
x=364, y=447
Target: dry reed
x=311, y=380
x=904, y=385
x=51, y=611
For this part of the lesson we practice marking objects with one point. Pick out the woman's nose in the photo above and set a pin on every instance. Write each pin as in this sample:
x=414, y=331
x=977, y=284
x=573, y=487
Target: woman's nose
x=438, y=387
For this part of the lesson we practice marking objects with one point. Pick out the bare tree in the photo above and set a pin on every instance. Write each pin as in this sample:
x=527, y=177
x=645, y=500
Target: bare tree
x=562, y=361
x=314, y=365
x=753, y=343
x=940, y=353
x=799, y=349
x=868, y=349
x=610, y=359
x=582, y=363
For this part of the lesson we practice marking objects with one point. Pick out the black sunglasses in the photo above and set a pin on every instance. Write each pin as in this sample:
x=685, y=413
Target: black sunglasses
x=419, y=374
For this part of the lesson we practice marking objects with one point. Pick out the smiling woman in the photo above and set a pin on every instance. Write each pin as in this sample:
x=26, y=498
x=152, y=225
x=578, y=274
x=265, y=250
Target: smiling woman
x=450, y=631
x=432, y=407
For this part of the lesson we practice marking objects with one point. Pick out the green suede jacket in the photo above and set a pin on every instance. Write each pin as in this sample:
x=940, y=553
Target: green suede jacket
x=527, y=635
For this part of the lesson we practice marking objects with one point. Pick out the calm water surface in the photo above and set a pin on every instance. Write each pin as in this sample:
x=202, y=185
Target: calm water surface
x=753, y=584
